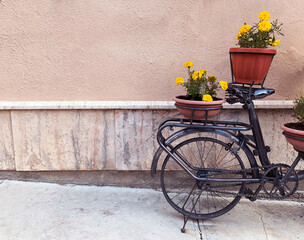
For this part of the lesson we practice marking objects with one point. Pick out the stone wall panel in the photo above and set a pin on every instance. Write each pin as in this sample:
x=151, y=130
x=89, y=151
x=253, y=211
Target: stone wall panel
x=64, y=140
x=136, y=137
x=7, y=155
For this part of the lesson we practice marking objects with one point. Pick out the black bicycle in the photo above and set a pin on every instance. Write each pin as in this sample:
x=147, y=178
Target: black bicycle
x=210, y=165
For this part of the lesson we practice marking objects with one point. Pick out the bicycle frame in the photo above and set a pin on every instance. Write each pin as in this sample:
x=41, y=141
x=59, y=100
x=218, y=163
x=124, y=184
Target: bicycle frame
x=222, y=128
x=276, y=180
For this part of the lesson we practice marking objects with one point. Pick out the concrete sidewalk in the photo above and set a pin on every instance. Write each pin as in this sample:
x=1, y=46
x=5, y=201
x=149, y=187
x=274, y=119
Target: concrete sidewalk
x=31, y=211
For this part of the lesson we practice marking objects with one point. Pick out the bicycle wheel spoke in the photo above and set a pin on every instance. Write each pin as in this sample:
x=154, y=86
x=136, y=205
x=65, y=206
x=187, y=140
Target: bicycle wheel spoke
x=180, y=193
x=188, y=196
x=218, y=156
x=192, y=153
x=177, y=195
x=220, y=197
x=203, y=152
x=208, y=202
x=213, y=203
x=185, y=207
x=187, y=180
x=216, y=198
x=209, y=151
x=227, y=162
x=222, y=158
x=196, y=201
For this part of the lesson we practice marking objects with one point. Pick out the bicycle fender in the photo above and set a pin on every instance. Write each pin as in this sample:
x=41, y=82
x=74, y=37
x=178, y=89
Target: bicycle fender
x=155, y=161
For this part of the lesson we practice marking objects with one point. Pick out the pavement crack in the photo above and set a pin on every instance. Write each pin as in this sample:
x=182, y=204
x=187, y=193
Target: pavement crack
x=200, y=232
x=261, y=217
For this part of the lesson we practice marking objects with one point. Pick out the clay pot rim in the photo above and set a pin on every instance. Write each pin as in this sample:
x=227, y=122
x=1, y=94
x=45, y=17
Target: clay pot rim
x=195, y=102
x=253, y=50
x=291, y=130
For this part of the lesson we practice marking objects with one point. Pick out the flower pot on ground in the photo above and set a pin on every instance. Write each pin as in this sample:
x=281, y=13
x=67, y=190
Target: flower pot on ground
x=200, y=103
x=294, y=132
x=252, y=60
x=198, y=110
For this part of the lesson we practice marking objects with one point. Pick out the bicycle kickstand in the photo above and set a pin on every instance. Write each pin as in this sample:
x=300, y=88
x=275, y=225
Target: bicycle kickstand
x=186, y=217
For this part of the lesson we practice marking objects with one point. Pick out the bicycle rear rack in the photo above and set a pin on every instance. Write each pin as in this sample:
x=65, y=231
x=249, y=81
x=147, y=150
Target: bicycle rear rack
x=210, y=124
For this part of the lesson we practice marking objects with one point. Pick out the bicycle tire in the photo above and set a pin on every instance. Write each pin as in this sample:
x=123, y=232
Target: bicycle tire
x=191, y=197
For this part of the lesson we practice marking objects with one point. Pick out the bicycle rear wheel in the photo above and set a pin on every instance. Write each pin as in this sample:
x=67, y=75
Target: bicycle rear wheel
x=205, y=157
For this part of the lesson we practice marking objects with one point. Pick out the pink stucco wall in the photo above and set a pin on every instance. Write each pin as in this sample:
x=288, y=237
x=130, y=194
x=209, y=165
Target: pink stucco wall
x=133, y=50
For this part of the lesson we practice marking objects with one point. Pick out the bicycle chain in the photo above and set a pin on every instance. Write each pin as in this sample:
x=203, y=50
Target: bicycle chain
x=259, y=196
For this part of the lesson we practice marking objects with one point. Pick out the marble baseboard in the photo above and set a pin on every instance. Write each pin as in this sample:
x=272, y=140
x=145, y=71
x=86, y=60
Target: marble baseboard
x=107, y=139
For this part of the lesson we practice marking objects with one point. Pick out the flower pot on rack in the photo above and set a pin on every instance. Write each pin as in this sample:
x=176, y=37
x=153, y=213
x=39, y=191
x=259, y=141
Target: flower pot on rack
x=198, y=110
x=248, y=64
x=294, y=136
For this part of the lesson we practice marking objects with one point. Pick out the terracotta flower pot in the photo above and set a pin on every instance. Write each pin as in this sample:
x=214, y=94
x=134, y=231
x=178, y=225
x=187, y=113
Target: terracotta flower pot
x=248, y=64
x=197, y=110
x=297, y=143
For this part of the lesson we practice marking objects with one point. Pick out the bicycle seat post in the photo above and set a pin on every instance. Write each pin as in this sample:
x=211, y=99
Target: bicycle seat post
x=261, y=149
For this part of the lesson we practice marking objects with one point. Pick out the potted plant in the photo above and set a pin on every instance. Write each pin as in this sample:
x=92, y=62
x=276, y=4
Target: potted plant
x=294, y=132
x=252, y=60
x=200, y=102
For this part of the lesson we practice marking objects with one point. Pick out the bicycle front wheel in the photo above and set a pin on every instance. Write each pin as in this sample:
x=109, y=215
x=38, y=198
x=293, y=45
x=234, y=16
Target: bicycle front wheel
x=204, y=157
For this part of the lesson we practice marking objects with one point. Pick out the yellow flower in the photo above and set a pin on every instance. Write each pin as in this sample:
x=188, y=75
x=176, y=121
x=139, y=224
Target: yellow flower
x=195, y=75
x=244, y=29
x=188, y=64
x=264, y=15
x=275, y=43
x=179, y=80
x=224, y=85
x=264, y=26
x=238, y=36
x=207, y=98
x=212, y=79
x=201, y=73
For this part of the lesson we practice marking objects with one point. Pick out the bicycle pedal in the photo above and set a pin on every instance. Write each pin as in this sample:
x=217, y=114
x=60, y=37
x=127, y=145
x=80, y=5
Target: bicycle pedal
x=248, y=191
